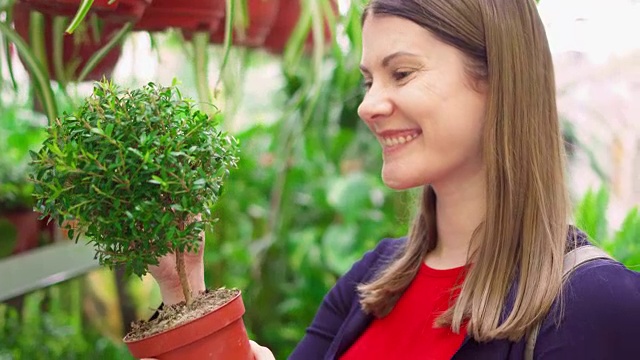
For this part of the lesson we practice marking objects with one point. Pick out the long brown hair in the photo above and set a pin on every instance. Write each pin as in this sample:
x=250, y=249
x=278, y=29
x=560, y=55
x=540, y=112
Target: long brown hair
x=523, y=237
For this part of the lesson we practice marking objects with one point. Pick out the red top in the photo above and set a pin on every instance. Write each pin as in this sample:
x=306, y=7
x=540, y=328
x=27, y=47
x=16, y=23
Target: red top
x=408, y=332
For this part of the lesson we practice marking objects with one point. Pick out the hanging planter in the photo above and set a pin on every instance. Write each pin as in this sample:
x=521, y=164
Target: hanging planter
x=119, y=11
x=288, y=16
x=193, y=15
x=89, y=54
x=261, y=15
x=21, y=231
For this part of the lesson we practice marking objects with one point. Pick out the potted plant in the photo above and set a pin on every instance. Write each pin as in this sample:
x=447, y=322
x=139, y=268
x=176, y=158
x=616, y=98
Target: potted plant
x=20, y=132
x=139, y=171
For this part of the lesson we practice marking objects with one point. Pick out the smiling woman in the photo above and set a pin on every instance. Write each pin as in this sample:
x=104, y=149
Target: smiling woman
x=461, y=95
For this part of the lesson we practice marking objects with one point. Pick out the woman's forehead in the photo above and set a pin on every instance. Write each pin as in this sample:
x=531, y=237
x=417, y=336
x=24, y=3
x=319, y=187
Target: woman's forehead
x=383, y=36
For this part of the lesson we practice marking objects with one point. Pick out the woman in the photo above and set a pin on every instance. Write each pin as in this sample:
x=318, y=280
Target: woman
x=461, y=95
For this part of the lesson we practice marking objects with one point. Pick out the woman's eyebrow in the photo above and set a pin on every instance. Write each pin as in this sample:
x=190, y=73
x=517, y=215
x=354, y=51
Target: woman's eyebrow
x=387, y=59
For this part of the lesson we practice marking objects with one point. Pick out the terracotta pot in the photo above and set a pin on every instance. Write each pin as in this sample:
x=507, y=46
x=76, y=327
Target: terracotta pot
x=219, y=334
x=190, y=15
x=73, y=51
x=262, y=15
x=63, y=230
x=120, y=11
x=27, y=229
x=47, y=230
x=285, y=23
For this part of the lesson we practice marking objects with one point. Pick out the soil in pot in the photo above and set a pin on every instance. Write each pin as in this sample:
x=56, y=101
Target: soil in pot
x=210, y=328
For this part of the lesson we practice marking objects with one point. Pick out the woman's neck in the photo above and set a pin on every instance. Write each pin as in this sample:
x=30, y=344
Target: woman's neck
x=460, y=210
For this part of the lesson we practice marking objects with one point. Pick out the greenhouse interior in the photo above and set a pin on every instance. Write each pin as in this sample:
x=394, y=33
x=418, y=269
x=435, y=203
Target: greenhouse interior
x=264, y=162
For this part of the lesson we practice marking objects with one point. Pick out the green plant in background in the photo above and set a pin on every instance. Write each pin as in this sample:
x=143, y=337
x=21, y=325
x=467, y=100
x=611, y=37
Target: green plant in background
x=57, y=333
x=134, y=170
x=21, y=131
x=623, y=243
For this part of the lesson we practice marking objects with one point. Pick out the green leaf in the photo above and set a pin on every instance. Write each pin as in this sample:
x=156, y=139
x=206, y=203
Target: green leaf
x=83, y=9
x=109, y=130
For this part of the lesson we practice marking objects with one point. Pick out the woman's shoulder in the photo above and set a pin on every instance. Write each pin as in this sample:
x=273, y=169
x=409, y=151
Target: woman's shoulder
x=599, y=315
x=601, y=282
x=604, y=284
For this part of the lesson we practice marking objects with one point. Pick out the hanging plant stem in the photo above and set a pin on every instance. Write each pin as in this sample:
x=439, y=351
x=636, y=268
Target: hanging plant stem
x=84, y=8
x=200, y=62
x=38, y=72
x=100, y=54
x=58, y=50
x=228, y=31
x=7, y=48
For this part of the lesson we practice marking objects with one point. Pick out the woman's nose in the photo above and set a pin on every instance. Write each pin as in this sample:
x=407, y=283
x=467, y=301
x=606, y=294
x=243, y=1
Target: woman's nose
x=375, y=106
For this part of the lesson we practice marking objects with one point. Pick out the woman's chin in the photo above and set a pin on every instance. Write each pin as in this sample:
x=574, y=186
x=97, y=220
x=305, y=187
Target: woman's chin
x=397, y=181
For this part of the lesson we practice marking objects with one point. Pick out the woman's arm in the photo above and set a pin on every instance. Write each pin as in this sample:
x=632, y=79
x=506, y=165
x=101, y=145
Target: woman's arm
x=601, y=316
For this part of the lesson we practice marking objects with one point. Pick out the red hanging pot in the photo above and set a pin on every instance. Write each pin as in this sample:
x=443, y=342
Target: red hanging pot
x=192, y=15
x=262, y=15
x=27, y=229
x=220, y=334
x=77, y=48
x=285, y=23
x=119, y=11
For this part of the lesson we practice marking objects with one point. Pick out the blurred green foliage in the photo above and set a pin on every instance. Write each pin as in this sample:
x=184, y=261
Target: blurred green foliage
x=50, y=326
x=624, y=241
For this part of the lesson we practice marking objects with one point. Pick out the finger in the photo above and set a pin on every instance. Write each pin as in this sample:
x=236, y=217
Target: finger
x=260, y=352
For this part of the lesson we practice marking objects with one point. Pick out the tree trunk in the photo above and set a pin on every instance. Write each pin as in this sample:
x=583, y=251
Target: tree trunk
x=184, y=281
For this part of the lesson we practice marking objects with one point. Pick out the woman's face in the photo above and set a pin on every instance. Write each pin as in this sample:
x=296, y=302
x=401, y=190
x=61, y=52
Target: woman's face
x=422, y=106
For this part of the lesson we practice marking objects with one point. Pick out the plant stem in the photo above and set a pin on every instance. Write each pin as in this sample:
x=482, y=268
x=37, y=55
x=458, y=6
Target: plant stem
x=58, y=50
x=201, y=60
x=40, y=74
x=83, y=9
x=182, y=273
x=104, y=51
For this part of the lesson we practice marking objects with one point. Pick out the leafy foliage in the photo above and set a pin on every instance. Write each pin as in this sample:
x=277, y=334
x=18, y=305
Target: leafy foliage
x=134, y=169
x=20, y=132
x=623, y=243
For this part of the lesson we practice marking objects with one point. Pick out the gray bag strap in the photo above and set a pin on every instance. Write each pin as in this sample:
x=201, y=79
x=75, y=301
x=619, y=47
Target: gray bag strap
x=572, y=260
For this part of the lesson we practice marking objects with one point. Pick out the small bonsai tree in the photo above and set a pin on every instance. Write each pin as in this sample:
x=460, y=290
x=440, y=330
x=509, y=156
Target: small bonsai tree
x=138, y=172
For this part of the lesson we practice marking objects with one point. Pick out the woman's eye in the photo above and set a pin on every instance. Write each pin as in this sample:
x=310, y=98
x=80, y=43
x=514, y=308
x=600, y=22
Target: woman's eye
x=400, y=75
x=366, y=84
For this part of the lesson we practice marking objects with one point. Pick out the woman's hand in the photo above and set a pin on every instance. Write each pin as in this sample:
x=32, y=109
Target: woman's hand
x=166, y=275
x=259, y=352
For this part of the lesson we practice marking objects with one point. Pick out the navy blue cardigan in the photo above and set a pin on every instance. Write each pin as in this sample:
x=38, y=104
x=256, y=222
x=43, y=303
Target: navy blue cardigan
x=601, y=318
